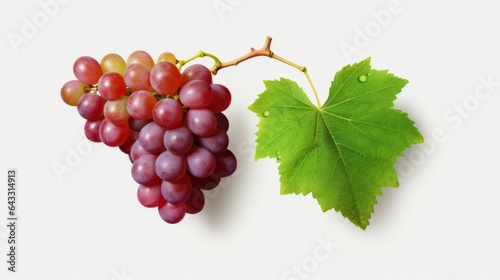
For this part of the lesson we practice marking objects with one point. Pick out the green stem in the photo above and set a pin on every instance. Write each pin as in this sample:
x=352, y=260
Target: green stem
x=198, y=55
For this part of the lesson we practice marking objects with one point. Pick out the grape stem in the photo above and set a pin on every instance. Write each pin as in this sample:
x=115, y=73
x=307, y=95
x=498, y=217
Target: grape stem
x=181, y=63
x=264, y=51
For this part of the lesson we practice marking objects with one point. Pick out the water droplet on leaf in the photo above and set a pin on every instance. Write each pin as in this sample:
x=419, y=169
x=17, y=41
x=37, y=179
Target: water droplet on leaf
x=265, y=114
x=362, y=78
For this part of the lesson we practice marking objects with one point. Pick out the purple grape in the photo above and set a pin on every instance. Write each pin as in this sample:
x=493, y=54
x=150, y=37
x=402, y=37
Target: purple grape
x=113, y=135
x=200, y=162
x=143, y=170
x=90, y=106
x=195, y=202
x=201, y=122
x=196, y=94
x=225, y=164
x=216, y=142
x=221, y=98
x=136, y=151
x=178, y=191
x=172, y=213
x=91, y=130
x=222, y=121
x=170, y=167
x=151, y=138
x=178, y=140
x=150, y=196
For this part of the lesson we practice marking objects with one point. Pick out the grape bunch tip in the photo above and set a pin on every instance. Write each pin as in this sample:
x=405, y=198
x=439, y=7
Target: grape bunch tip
x=170, y=124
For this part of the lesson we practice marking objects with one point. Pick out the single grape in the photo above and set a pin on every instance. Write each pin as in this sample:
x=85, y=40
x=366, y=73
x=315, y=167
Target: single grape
x=112, y=134
x=90, y=106
x=178, y=191
x=168, y=113
x=143, y=170
x=72, y=91
x=116, y=110
x=221, y=98
x=136, y=124
x=195, y=202
x=216, y=142
x=140, y=105
x=172, y=213
x=200, y=162
x=165, y=78
x=141, y=57
x=225, y=163
x=151, y=138
x=132, y=138
x=111, y=86
x=91, y=130
x=167, y=56
x=136, y=77
x=222, y=121
x=87, y=70
x=170, y=167
x=150, y=196
x=113, y=62
x=196, y=94
x=196, y=72
x=178, y=140
x=136, y=151
x=207, y=183
x=201, y=122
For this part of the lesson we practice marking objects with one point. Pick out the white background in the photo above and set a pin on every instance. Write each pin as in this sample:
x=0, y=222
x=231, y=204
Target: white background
x=440, y=224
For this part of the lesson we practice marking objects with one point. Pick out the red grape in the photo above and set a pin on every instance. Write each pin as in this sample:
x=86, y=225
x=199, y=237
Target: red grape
x=165, y=78
x=87, y=70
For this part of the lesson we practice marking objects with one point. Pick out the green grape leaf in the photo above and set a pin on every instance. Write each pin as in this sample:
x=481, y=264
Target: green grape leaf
x=344, y=152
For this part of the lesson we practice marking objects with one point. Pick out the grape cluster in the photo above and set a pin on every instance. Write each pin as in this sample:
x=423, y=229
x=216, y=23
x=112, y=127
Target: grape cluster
x=169, y=123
